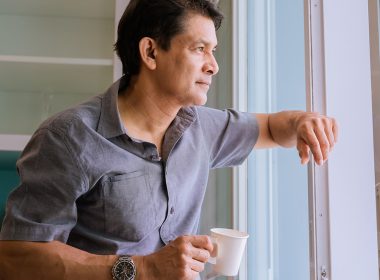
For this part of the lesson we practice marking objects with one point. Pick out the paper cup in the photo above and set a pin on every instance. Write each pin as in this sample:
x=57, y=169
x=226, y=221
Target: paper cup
x=229, y=245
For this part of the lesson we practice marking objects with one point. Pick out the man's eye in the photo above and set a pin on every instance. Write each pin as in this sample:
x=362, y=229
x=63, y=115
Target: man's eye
x=201, y=49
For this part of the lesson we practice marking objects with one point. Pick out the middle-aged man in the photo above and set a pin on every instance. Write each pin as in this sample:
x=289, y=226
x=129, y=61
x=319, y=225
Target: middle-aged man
x=117, y=183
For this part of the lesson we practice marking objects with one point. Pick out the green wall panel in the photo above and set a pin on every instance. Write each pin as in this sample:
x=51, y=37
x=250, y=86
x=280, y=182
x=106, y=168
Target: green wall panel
x=8, y=177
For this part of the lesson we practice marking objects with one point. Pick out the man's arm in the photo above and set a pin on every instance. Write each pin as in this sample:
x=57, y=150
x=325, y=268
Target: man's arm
x=306, y=130
x=181, y=259
x=51, y=260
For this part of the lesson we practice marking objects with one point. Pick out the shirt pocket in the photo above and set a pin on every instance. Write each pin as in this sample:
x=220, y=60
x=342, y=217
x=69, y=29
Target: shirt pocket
x=128, y=207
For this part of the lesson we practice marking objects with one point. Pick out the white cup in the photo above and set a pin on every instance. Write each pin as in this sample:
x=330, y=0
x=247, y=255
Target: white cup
x=229, y=245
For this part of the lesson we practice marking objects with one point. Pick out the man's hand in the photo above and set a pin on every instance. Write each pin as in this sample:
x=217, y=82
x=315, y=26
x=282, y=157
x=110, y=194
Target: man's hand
x=308, y=131
x=181, y=259
x=315, y=133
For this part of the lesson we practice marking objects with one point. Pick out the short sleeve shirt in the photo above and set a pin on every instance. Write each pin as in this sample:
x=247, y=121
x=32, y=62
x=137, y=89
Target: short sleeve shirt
x=86, y=183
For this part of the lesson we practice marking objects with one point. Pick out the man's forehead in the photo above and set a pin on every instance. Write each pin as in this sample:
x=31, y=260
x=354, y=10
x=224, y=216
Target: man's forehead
x=199, y=29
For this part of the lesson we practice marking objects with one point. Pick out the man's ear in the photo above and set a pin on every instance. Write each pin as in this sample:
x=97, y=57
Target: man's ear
x=148, y=51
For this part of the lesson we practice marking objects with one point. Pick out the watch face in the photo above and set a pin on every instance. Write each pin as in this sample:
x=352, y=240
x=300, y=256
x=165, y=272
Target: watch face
x=124, y=269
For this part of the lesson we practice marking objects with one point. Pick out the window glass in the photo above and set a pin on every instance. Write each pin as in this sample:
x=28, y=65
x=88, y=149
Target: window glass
x=277, y=182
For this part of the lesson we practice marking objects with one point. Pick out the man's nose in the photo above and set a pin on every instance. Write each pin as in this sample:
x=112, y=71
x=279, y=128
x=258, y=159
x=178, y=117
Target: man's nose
x=211, y=66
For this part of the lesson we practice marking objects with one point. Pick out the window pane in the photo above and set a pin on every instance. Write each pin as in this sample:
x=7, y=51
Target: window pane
x=278, y=188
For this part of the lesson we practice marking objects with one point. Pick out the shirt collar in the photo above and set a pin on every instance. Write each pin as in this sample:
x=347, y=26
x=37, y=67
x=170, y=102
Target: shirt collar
x=110, y=124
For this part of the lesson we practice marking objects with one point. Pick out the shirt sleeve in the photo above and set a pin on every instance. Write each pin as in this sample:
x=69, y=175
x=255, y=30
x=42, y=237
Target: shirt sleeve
x=229, y=135
x=42, y=207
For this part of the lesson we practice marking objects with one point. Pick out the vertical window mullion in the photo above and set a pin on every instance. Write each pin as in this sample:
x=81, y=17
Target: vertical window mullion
x=318, y=177
x=240, y=102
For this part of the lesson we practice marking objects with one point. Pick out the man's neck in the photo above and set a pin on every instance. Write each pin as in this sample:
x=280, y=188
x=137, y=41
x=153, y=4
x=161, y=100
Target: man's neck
x=145, y=114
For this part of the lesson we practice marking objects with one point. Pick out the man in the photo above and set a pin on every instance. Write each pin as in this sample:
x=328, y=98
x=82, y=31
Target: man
x=117, y=183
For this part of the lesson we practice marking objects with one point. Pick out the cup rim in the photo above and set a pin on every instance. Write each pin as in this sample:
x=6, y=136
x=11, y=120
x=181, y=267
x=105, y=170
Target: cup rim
x=228, y=232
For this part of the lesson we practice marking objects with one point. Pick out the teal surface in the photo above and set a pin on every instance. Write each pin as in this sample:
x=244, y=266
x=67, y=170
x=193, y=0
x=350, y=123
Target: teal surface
x=8, y=177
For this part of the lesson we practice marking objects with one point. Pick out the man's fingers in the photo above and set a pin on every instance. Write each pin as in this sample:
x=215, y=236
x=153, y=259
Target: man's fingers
x=323, y=143
x=201, y=255
x=197, y=266
x=197, y=247
x=303, y=151
x=335, y=129
x=312, y=141
x=201, y=241
x=330, y=137
x=327, y=127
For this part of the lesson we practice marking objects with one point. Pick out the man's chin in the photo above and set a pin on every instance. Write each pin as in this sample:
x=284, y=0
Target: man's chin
x=201, y=101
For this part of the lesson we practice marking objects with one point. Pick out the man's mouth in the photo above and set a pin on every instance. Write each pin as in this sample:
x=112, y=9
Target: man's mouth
x=204, y=83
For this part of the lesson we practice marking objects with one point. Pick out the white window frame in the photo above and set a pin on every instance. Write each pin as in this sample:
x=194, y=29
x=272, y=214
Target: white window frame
x=319, y=238
x=342, y=194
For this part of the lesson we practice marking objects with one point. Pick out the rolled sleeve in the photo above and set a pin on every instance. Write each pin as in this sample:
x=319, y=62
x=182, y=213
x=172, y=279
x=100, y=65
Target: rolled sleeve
x=43, y=206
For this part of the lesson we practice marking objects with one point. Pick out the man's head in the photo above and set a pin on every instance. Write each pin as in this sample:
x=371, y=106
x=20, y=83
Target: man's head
x=160, y=20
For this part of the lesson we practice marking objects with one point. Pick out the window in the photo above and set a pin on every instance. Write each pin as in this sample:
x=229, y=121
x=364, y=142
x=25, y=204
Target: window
x=277, y=183
x=350, y=175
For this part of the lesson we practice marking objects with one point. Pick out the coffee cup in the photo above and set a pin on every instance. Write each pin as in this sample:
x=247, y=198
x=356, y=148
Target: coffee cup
x=229, y=245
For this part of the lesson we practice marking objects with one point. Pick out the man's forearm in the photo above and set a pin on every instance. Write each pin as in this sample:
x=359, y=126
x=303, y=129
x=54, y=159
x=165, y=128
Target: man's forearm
x=277, y=129
x=282, y=127
x=51, y=260
x=182, y=258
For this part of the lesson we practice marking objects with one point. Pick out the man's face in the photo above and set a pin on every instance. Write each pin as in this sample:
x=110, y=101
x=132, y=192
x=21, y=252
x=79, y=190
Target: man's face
x=184, y=72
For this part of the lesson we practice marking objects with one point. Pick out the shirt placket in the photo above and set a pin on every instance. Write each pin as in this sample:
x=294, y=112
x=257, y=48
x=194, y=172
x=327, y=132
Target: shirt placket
x=173, y=136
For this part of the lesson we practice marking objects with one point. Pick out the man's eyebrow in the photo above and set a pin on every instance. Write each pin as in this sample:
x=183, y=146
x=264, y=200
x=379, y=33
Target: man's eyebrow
x=204, y=42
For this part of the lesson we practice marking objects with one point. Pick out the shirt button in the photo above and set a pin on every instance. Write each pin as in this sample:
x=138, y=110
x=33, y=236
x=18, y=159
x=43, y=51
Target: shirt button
x=172, y=210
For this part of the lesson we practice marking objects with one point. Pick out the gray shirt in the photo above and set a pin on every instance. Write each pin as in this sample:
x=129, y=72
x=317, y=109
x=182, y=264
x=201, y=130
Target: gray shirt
x=85, y=182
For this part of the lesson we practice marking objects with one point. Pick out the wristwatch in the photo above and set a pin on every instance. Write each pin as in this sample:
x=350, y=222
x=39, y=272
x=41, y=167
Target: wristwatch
x=124, y=269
